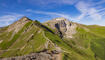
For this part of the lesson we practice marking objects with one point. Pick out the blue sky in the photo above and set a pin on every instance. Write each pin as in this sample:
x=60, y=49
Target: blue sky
x=82, y=11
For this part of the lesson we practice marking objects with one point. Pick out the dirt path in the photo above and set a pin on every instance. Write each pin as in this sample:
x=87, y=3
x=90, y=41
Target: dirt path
x=48, y=40
x=59, y=56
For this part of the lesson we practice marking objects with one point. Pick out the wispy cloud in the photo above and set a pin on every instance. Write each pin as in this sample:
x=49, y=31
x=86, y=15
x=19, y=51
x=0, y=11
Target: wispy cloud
x=50, y=13
x=8, y=19
x=100, y=2
x=88, y=11
x=52, y=2
x=86, y=8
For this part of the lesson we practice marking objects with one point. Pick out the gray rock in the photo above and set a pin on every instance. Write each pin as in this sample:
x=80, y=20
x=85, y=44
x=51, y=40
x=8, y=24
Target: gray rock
x=64, y=27
x=36, y=56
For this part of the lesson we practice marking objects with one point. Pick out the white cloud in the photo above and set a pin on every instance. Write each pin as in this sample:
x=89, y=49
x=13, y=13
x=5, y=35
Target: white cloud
x=50, y=13
x=93, y=14
x=82, y=6
x=88, y=11
x=100, y=10
x=103, y=13
x=81, y=16
x=8, y=19
x=53, y=13
x=100, y=2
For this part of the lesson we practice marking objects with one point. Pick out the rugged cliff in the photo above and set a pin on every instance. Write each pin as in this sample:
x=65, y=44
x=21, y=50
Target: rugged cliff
x=62, y=26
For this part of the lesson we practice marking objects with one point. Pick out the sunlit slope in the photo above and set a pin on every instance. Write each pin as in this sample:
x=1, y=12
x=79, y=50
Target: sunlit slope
x=27, y=40
x=32, y=37
x=89, y=40
x=26, y=36
x=88, y=43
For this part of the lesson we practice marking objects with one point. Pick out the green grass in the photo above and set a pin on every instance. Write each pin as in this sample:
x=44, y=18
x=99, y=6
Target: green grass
x=98, y=30
x=30, y=43
x=57, y=40
x=86, y=45
x=93, y=41
x=6, y=44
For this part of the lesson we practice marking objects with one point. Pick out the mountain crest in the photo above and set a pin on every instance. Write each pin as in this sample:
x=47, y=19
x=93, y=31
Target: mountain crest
x=60, y=19
x=23, y=19
x=63, y=26
x=32, y=40
x=18, y=24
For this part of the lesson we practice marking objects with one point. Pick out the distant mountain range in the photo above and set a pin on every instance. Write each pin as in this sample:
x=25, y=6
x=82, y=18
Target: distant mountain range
x=56, y=39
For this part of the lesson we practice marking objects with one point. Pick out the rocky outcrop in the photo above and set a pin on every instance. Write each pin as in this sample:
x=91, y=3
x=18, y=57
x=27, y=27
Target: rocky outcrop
x=18, y=25
x=64, y=27
x=44, y=55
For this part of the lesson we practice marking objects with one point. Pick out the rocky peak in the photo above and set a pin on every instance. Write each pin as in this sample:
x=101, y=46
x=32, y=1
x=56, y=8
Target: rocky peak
x=18, y=24
x=64, y=27
x=60, y=19
x=24, y=19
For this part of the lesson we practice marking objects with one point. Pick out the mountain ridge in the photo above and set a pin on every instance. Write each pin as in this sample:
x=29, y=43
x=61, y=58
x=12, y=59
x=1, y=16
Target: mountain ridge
x=71, y=40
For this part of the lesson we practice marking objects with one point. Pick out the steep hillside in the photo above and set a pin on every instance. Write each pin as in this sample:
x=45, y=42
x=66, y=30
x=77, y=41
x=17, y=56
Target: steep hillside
x=57, y=39
x=87, y=42
x=23, y=37
x=26, y=36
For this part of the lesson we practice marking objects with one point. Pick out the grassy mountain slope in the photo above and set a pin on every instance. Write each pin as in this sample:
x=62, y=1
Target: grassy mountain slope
x=27, y=40
x=90, y=40
x=32, y=37
x=87, y=44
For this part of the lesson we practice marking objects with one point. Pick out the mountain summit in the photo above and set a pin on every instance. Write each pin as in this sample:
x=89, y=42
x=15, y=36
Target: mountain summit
x=56, y=39
x=62, y=26
x=18, y=24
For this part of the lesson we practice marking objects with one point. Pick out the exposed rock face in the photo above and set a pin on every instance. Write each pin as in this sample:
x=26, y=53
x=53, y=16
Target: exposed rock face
x=64, y=27
x=45, y=55
x=18, y=25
